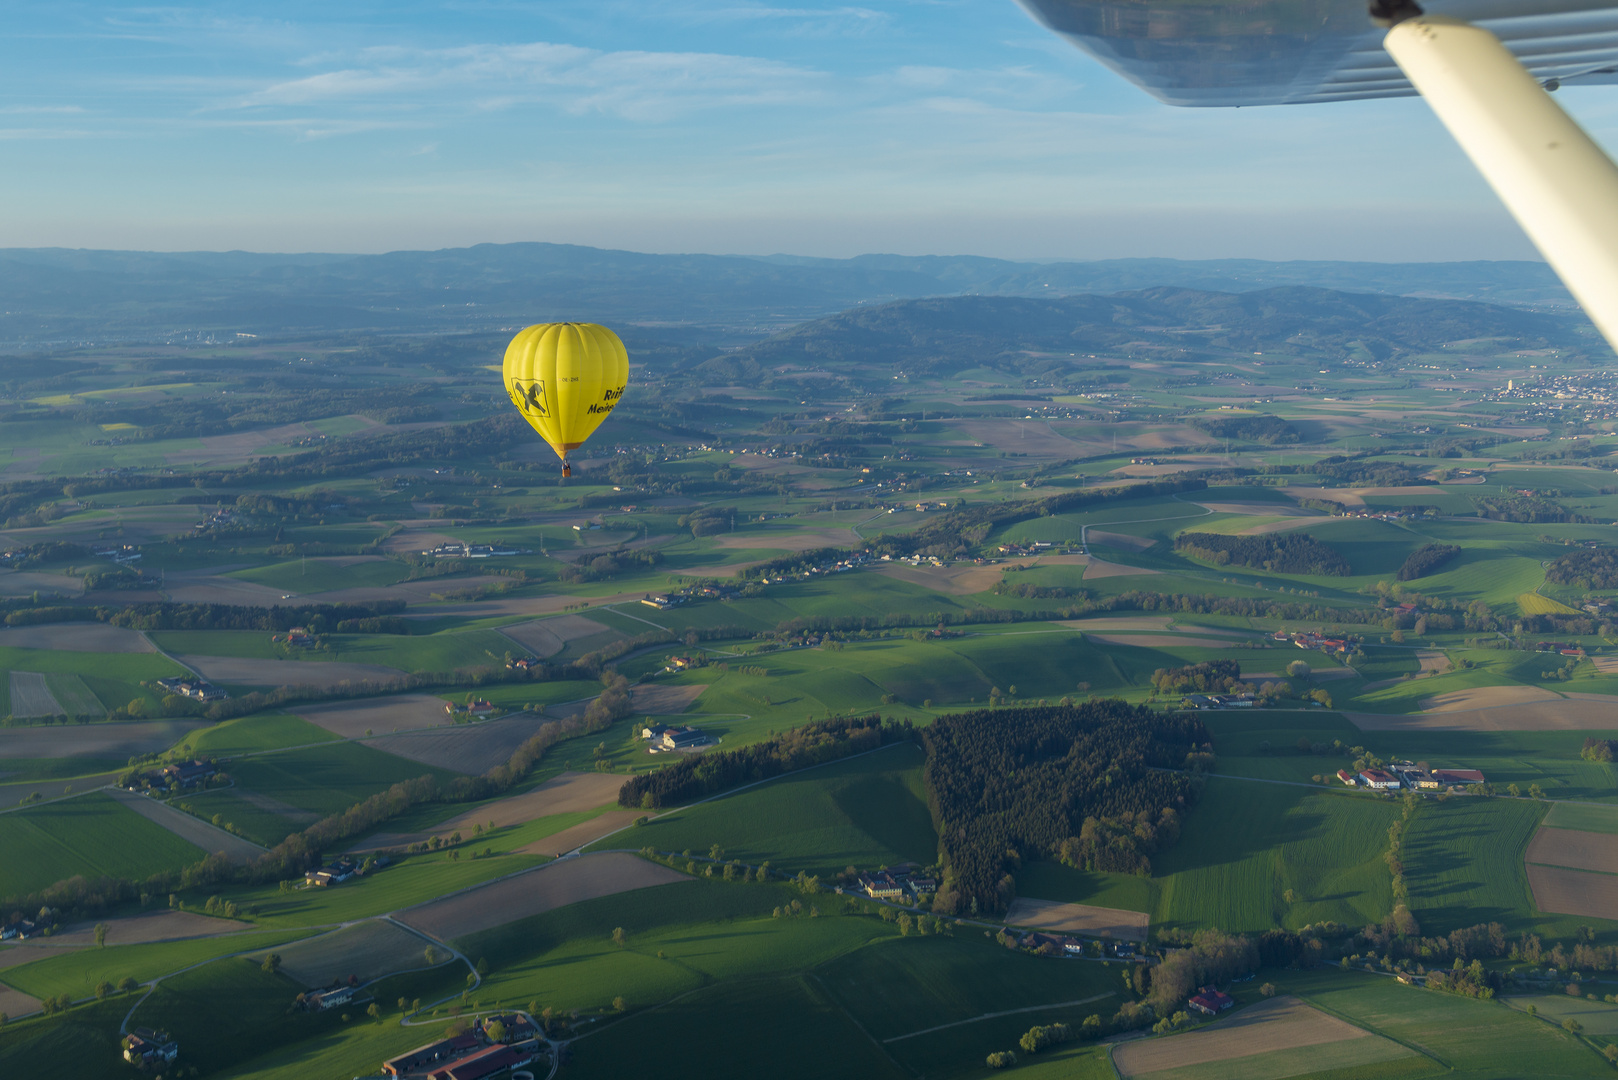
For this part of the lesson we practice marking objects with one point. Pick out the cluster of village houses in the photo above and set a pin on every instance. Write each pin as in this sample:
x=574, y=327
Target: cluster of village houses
x=1411, y=776
x=497, y=1043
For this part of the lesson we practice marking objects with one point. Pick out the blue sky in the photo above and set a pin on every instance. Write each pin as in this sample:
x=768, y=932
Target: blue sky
x=915, y=126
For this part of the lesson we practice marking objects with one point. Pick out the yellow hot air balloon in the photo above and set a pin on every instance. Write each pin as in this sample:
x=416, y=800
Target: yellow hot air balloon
x=565, y=378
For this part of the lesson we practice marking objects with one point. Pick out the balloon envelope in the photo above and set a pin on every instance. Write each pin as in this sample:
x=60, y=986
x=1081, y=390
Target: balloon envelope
x=565, y=378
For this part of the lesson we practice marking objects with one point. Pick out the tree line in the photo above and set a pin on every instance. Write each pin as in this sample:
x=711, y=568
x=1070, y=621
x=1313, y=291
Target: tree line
x=1283, y=553
x=1015, y=783
x=1586, y=568
x=1426, y=560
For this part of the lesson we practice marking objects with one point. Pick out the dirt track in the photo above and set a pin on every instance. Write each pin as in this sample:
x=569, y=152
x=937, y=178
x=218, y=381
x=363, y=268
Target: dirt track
x=210, y=839
x=536, y=892
x=570, y=793
x=1278, y=1024
x=1572, y=848
x=401, y=712
x=369, y=950
x=234, y=671
x=76, y=637
x=1078, y=918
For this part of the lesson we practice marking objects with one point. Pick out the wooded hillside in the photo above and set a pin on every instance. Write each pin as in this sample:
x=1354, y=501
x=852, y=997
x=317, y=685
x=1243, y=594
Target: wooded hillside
x=1006, y=784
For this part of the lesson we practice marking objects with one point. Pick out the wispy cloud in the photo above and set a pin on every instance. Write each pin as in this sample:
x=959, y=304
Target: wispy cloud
x=634, y=85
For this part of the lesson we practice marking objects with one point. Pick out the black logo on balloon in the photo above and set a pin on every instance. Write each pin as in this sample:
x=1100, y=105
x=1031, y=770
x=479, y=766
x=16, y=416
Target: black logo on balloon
x=529, y=394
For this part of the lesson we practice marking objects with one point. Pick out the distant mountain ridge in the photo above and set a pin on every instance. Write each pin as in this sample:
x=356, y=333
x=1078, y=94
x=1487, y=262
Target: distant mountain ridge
x=55, y=294
x=943, y=336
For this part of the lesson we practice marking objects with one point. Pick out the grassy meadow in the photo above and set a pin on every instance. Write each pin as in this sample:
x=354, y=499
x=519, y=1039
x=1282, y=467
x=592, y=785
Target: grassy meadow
x=92, y=835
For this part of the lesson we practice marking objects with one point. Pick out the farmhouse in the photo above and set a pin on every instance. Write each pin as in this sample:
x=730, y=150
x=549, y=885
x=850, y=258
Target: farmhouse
x=486, y=1062
x=1210, y=1002
x=335, y=874
x=147, y=1047
x=424, y=1059
x=522, y=663
x=1446, y=777
x=686, y=738
x=1379, y=780
x=1347, y=777
x=321, y=1000
x=190, y=687
x=189, y=773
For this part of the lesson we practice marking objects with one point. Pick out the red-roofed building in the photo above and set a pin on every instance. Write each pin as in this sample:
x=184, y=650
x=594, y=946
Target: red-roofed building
x=1210, y=1002
x=1378, y=780
x=1347, y=777
x=1458, y=776
x=483, y=1063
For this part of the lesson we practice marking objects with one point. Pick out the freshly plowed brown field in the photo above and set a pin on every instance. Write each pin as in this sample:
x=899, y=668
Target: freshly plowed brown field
x=587, y=832
x=369, y=950
x=951, y=580
x=1281, y=1023
x=92, y=740
x=1579, y=850
x=165, y=925
x=1576, y=712
x=1485, y=697
x=465, y=748
x=1078, y=918
x=76, y=637
x=570, y=793
x=555, y=885
x=547, y=637
x=403, y=712
x=15, y=1003
x=238, y=671
x=1123, y=540
x=1574, y=892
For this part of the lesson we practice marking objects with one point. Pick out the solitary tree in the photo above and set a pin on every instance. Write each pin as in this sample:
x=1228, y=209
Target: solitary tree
x=272, y=963
x=619, y=1004
x=103, y=988
x=126, y=984
x=619, y=938
x=374, y=1011
x=101, y=934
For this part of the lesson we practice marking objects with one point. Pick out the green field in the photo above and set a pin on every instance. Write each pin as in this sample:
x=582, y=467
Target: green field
x=91, y=835
x=1599, y=819
x=327, y=779
x=866, y=812
x=1353, y=1059
x=252, y=734
x=76, y=698
x=1597, y=1017
x=783, y=1025
x=325, y=575
x=1464, y=863
x=112, y=678
x=1479, y=1040
x=76, y=973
